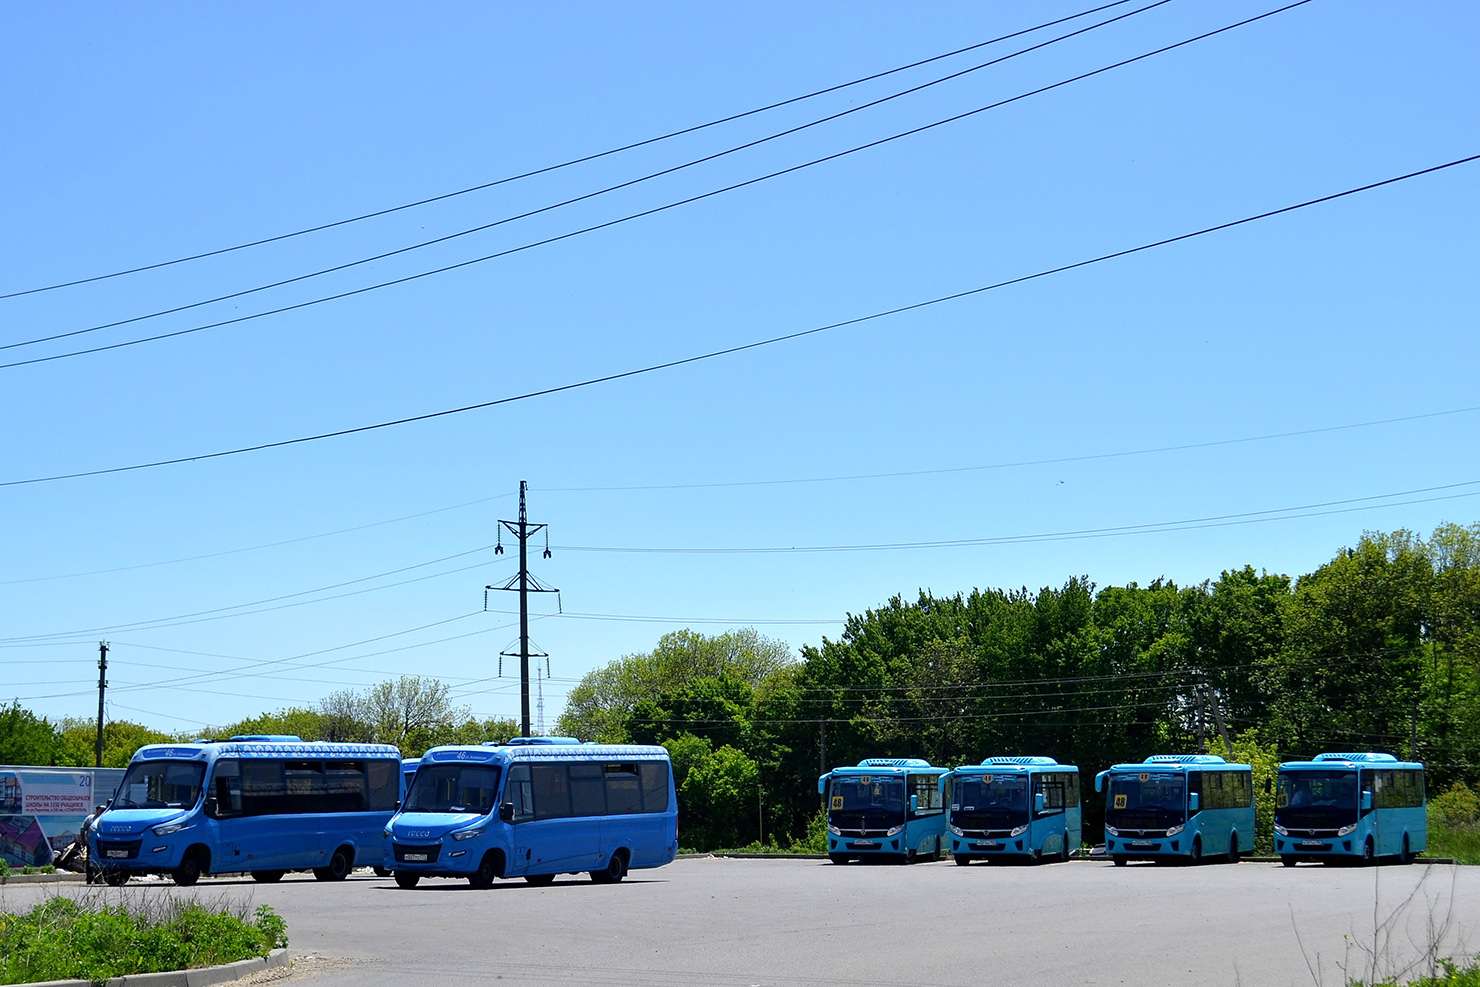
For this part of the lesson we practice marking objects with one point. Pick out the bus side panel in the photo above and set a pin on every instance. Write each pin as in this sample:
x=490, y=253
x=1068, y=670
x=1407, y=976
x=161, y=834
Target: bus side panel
x=1073, y=831
x=360, y=830
x=646, y=835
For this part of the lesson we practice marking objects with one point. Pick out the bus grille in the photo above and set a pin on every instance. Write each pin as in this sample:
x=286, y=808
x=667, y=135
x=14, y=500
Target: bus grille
x=423, y=854
x=118, y=850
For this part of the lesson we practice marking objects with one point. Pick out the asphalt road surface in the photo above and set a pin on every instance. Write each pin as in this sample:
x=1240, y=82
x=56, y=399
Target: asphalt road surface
x=738, y=923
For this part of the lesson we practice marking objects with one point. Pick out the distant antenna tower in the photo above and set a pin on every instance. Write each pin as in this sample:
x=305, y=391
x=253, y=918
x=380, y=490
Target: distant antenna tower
x=539, y=683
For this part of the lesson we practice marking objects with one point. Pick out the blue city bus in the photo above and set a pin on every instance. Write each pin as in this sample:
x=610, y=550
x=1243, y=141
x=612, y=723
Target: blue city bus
x=260, y=804
x=1170, y=806
x=1022, y=807
x=886, y=807
x=1358, y=806
x=535, y=807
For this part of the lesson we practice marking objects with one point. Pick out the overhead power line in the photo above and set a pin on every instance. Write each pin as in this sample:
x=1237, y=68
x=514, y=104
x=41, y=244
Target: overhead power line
x=731, y=350
x=564, y=164
x=574, y=233
x=1152, y=527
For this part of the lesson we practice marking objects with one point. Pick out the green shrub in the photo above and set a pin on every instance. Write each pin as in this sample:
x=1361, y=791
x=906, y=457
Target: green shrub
x=1458, y=806
x=1453, y=976
x=64, y=939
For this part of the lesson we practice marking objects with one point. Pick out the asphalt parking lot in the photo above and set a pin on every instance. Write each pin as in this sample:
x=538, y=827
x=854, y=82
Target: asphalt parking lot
x=749, y=922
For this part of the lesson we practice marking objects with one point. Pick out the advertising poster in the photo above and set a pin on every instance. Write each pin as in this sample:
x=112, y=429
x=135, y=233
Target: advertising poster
x=41, y=809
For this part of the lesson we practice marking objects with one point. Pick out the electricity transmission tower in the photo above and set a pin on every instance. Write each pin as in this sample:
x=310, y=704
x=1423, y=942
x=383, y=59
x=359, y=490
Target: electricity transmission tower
x=525, y=583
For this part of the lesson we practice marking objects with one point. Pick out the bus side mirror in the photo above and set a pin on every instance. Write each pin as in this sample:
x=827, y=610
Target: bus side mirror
x=1366, y=801
x=914, y=803
x=1192, y=802
x=1037, y=803
x=822, y=784
x=210, y=806
x=506, y=812
x=1100, y=782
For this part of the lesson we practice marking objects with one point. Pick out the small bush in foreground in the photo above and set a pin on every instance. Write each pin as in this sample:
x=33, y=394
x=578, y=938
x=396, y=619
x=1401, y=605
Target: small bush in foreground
x=65, y=939
x=1453, y=976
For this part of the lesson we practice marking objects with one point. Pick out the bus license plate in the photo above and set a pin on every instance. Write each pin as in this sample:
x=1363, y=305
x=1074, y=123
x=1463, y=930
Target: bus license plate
x=117, y=853
x=1140, y=842
x=863, y=843
x=1312, y=843
x=414, y=856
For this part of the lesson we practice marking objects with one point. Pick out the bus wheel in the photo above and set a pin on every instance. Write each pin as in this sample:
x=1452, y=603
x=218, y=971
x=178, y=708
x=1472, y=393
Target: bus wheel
x=1233, y=849
x=1405, y=856
x=407, y=881
x=268, y=876
x=616, y=869
x=1289, y=860
x=540, y=880
x=1064, y=852
x=188, y=872
x=487, y=871
x=115, y=878
x=838, y=858
x=1194, y=856
x=1369, y=853
x=381, y=871
x=963, y=859
x=338, y=869
x=1119, y=860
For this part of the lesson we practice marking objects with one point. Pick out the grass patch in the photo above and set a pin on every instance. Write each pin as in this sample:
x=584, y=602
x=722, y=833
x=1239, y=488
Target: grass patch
x=1453, y=975
x=90, y=939
x=1458, y=841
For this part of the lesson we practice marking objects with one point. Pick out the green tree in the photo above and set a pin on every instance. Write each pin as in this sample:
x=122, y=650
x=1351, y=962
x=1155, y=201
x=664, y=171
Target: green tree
x=598, y=707
x=24, y=737
x=77, y=745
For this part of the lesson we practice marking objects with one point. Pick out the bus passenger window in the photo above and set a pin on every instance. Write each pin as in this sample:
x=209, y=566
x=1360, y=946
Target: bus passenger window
x=520, y=792
x=623, y=789
x=587, y=789
x=551, y=791
x=654, y=786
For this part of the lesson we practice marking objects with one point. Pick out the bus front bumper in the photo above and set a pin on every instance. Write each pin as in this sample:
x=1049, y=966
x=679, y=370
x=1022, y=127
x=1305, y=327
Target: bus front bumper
x=1005, y=847
x=849, y=845
x=1288, y=846
x=433, y=859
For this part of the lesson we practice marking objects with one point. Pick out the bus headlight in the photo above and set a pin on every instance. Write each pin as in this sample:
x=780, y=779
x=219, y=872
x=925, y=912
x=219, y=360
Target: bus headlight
x=894, y=831
x=171, y=828
x=385, y=834
x=1019, y=831
x=1346, y=830
x=1112, y=830
x=467, y=834
x=1281, y=830
x=957, y=830
x=1176, y=829
x=834, y=830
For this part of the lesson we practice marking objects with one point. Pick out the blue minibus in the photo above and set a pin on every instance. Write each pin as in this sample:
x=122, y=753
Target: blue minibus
x=535, y=807
x=886, y=807
x=1357, y=806
x=1170, y=806
x=1024, y=807
x=264, y=805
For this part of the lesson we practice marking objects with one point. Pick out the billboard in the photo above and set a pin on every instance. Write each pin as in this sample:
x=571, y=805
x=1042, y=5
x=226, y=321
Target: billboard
x=41, y=809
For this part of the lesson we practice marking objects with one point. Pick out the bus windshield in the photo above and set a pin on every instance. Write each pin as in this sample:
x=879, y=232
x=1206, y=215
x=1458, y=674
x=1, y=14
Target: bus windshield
x=1146, y=800
x=453, y=788
x=160, y=785
x=866, y=801
x=1317, y=799
x=990, y=801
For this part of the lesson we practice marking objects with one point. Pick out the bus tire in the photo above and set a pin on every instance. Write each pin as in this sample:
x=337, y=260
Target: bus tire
x=340, y=864
x=540, y=880
x=1369, y=853
x=268, y=876
x=381, y=871
x=1194, y=855
x=1036, y=856
x=616, y=869
x=838, y=858
x=190, y=868
x=114, y=877
x=1405, y=855
x=1233, y=849
x=1064, y=852
x=1119, y=860
x=407, y=881
x=1289, y=859
x=489, y=869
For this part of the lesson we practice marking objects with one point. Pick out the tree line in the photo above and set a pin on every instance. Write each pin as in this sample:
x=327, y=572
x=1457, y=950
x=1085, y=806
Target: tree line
x=1378, y=649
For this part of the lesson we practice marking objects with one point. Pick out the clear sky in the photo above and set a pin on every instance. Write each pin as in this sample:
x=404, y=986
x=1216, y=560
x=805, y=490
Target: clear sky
x=1094, y=400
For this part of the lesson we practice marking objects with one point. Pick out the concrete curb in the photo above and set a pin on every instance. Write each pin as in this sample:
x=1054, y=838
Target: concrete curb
x=201, y=977
x=58, y=877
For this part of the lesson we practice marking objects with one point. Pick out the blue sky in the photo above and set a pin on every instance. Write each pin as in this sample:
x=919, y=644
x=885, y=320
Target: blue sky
x=133, y=136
